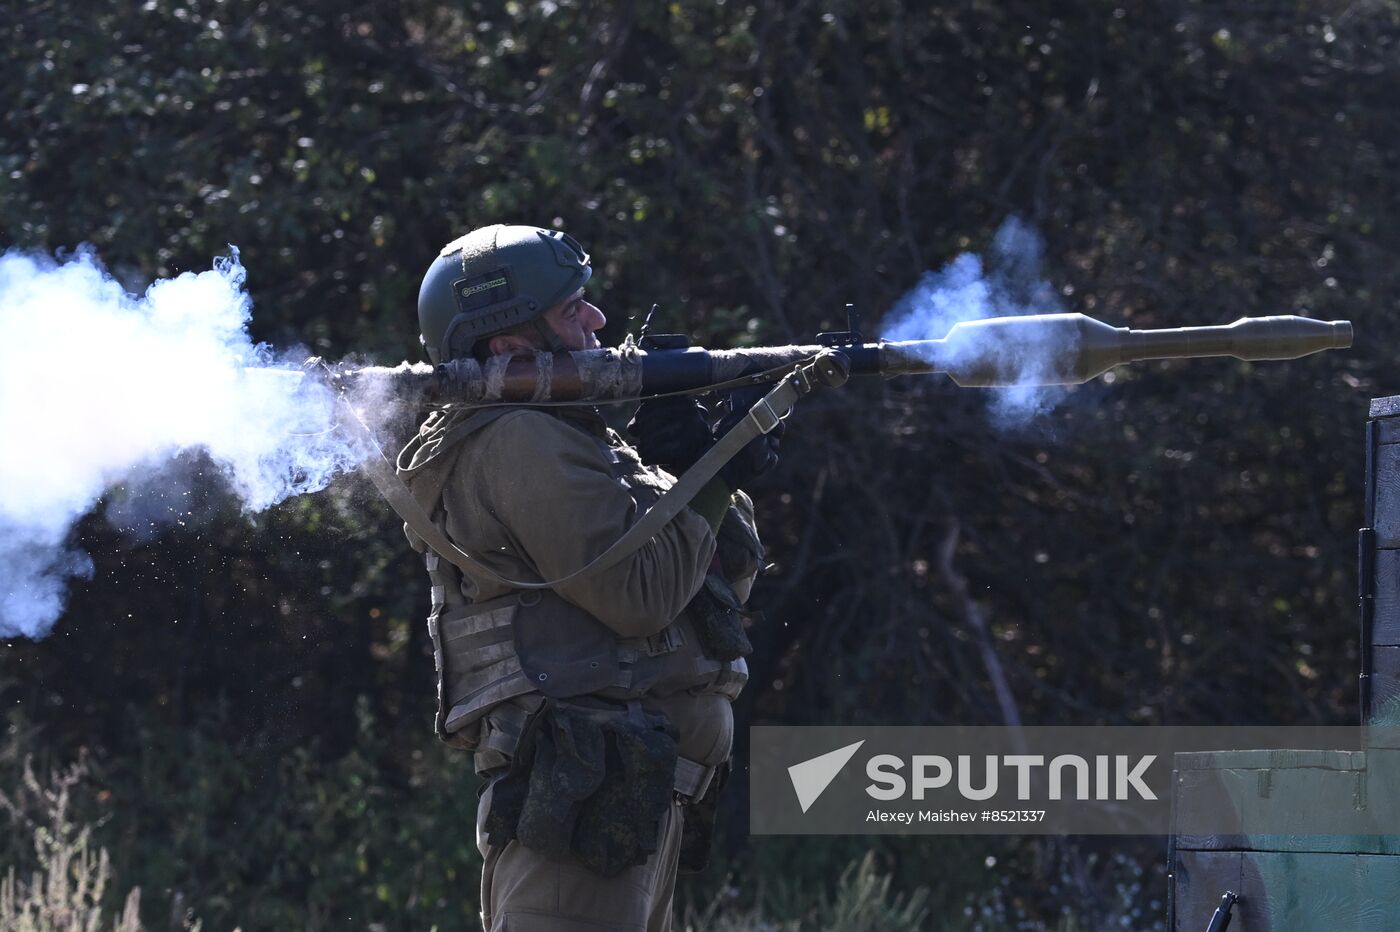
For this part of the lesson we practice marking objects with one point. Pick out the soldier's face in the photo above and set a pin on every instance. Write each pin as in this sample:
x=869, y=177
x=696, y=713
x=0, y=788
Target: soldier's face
x=576, y=322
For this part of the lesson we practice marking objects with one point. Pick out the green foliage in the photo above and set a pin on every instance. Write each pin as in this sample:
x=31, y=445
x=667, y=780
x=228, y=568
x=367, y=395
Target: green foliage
x=1174, y=545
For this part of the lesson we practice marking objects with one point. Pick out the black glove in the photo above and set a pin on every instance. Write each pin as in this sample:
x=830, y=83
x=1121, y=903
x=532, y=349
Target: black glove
x=671, y=432
x=760, y=454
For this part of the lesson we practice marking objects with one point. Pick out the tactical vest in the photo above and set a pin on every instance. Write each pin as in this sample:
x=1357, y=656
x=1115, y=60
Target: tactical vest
x=535, y=641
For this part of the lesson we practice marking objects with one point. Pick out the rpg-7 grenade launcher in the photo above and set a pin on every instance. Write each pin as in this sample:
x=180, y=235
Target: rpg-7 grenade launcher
x=1040, y=349
x=1045, y=349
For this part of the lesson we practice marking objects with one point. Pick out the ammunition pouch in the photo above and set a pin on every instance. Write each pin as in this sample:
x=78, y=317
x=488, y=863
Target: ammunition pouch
x=718, y=619
x=587, y=784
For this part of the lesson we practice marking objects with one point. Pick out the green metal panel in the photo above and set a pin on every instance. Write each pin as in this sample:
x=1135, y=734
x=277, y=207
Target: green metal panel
x=1289, y=882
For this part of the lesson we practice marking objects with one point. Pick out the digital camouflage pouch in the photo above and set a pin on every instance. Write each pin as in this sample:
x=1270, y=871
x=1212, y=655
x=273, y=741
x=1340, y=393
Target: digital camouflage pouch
x=698, y=836
x=718, y=619
x=587, y=784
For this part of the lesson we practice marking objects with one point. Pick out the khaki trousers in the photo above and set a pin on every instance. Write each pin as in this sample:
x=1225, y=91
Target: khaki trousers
x=522, y=891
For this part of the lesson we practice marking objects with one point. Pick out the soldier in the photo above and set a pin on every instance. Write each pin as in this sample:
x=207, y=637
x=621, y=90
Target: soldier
x=598, y=707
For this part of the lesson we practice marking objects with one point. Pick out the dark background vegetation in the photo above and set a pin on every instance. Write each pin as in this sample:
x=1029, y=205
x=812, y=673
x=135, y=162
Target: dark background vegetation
x=1176, y=545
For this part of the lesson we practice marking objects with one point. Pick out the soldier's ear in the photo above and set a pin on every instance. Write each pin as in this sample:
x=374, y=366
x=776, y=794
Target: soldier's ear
x=510, y=343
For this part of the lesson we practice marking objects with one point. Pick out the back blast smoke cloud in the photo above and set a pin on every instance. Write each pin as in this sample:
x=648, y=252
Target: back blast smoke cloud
x=99, y=387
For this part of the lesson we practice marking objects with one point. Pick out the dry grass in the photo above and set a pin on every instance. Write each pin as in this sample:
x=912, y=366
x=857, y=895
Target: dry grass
x=861, y=902
x=65, y=891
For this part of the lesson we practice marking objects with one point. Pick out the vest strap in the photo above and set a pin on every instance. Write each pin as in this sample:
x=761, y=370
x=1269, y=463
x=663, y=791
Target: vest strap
x=517, y=684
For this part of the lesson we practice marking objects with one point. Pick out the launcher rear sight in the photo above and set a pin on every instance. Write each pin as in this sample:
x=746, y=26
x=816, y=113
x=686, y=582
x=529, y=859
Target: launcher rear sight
x=851, y=336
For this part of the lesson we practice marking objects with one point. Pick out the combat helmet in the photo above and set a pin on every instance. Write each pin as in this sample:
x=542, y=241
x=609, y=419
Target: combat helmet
x=493, y=279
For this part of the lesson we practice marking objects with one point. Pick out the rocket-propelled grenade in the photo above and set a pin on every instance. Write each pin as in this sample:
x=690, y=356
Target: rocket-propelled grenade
x=1040, y=349
x=1067, y=349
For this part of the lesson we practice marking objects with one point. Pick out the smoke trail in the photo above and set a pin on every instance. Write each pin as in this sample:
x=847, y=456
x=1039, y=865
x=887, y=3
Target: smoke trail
x=99, y=387
x=1008, y=285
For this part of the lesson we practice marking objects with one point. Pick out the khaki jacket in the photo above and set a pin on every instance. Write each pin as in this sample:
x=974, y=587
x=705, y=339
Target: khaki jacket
x=535, y=495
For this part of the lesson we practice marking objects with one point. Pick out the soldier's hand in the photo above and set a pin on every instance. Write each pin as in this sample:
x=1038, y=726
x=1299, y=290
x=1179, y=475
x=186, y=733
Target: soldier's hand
x=671, y=432
x=760, y=454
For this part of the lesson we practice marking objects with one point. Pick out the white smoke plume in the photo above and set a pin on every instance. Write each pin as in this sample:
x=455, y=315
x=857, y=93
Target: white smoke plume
x=1007, y=285
x=100, y=387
